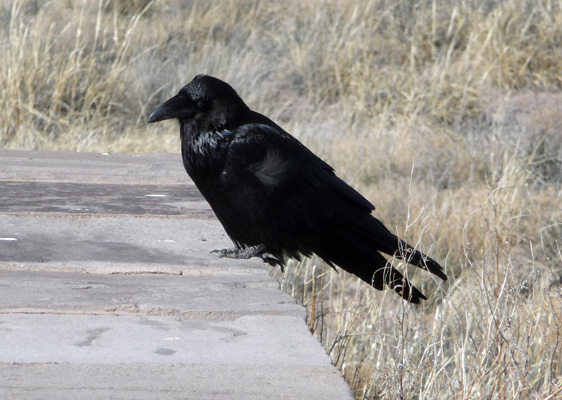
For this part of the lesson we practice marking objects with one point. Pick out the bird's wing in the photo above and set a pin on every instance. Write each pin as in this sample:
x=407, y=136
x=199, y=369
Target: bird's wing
x=277, y=193
x=281, y=162
x=274, y=191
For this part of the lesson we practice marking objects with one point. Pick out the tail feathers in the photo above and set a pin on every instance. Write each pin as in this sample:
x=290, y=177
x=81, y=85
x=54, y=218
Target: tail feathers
x=417, y=258
x=355, y=248
x=383, y=273
x=400, y=284
x=388, y=243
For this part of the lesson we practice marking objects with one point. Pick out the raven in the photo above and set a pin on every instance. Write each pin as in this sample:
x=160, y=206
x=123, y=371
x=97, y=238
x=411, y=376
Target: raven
x=274, y=197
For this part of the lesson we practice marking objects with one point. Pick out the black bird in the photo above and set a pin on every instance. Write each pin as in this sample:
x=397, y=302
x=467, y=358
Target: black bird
x=274, y=197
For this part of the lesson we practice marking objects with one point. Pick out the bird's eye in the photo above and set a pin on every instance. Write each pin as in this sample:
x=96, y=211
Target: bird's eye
x=201, y=104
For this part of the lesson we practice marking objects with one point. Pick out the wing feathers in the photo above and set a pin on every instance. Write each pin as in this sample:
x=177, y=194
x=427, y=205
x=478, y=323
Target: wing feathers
x=305, y=208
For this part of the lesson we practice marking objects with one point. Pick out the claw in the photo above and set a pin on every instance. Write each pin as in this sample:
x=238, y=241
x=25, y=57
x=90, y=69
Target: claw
x=249, y=252
x=224, y=252
x=246, y=253
x=272, y=260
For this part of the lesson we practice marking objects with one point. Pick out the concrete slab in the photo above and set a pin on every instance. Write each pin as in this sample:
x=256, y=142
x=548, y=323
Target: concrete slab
x=108, y=290
x=132, y=381
x=111, y=244
x=29, y=166
x=95, y=198
x=110, y=339
x=212, y=297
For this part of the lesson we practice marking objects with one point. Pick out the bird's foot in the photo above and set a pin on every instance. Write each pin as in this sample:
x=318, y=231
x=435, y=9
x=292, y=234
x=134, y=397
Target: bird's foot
x=249, y=252
x=246, y=253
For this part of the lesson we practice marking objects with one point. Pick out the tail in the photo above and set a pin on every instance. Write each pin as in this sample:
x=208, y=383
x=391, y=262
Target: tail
x=388, y=243
x=384, y=273
x=355, y=248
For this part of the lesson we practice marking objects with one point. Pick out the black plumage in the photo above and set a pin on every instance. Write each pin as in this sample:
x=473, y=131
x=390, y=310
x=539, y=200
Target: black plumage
x=274, y=197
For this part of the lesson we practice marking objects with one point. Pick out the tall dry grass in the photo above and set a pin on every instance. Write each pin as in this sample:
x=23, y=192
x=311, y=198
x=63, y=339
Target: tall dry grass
x=446, y=115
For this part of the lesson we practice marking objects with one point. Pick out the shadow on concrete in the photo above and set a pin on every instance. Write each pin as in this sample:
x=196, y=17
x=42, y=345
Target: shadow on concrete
x=41, y=249
x=99, y=198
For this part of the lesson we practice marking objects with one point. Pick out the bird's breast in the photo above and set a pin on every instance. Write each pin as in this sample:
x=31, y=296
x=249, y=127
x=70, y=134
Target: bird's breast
x=203, y=154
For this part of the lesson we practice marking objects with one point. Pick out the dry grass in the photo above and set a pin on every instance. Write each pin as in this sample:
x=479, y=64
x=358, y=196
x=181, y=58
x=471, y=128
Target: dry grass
x=446, y=115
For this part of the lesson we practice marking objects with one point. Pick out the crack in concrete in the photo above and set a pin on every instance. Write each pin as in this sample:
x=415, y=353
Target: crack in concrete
x=148, y=312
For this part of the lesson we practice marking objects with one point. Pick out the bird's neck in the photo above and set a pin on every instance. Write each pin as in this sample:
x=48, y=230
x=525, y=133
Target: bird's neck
x=201, y=151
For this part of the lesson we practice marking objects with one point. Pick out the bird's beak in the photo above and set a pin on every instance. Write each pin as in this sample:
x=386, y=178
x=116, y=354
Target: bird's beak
x=177, y=107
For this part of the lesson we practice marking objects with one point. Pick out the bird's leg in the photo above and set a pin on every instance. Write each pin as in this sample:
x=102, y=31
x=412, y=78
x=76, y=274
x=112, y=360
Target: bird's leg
x=249, y=252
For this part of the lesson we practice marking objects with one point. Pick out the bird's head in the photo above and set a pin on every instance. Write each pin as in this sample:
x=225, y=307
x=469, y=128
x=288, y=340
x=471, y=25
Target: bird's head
x=210, y=102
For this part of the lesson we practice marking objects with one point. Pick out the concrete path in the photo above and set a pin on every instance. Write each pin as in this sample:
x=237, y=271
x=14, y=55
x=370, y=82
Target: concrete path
x=108, y=291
